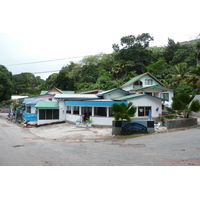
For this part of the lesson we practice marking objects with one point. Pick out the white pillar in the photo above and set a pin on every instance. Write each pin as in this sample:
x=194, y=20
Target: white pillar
x=72, y=110
x=92, y=111
x=80, y=110
x=107, y=109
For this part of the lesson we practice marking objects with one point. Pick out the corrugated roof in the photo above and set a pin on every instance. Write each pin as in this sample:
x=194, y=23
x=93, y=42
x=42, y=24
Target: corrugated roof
x=33, y=101
x=128, y=97
x=135, y=96
x=152, y=87
x=76, y=96
x=109, y=91
x=49, y=104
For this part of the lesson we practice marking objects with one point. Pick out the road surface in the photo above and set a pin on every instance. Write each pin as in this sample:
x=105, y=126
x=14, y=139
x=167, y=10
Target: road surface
x=20, y=147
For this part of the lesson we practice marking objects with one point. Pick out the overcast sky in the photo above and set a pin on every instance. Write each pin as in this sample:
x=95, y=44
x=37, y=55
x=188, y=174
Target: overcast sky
x=41, y=30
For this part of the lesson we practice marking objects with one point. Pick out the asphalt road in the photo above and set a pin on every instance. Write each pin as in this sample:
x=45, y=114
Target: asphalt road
x=20, y=147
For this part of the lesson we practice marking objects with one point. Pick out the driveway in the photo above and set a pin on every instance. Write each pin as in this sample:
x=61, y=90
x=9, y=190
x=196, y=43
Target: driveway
x=68, y=132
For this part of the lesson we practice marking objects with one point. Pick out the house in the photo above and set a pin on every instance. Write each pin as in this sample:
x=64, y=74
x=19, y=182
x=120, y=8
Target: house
x=55, y=91
x=29, y=110
x=148, y=84
x=97, y=106
x=31, y=106
x=144, y=91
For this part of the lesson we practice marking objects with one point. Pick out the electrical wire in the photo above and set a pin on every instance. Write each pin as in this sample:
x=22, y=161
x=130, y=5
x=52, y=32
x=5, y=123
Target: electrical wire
x=36, y=62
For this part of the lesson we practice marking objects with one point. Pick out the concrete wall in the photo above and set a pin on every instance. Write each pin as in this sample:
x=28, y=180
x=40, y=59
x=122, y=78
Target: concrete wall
x=180, y=123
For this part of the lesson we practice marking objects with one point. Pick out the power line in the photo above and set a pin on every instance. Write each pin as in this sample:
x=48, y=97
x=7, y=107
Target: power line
x=43, y=72
x=42, y=61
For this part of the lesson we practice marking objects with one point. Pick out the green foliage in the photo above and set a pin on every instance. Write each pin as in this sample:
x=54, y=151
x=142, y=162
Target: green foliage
x=6, y=84
x=184, y=87
x=160, y=69
x=171, y=48
x=123, y=111
x=195, y=106
x=182, y=103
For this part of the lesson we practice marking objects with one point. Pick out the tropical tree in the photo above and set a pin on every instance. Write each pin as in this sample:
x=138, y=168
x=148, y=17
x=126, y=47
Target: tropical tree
x=6, y=85
x=183, y=103
x=24, y=82
x=195, y=78
x=123, y=111
x=160, y=69
x=170, y=50
x=135, y=50
x=179, y=73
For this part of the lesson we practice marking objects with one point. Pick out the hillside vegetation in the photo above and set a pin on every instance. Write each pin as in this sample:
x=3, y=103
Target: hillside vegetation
x=176, y=65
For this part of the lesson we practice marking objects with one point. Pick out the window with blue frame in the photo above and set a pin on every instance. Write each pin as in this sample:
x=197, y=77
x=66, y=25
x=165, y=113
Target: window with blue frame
x=48, y=114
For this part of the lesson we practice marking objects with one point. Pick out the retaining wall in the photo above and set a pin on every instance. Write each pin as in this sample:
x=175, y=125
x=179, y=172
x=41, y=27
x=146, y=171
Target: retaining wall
x=180, y=123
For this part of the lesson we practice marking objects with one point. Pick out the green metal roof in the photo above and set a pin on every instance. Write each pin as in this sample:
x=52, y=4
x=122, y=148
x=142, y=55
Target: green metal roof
x=134, y=79
x=43, y=92
x=49, y=104
x=61, y=91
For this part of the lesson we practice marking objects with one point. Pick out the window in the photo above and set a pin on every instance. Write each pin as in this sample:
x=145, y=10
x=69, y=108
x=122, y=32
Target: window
x=68, y=110
x=148, y=82
x=42, y=114
x=149, y=93
x=48, y=114
x=28, y=109
x=166, y=96
x=143, y=111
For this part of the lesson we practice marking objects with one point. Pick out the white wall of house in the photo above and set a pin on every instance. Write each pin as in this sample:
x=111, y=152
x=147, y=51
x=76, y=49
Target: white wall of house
x=72, y=118
x=62, y=110
x=106, y=121
x=144, y=84
x=155, y=104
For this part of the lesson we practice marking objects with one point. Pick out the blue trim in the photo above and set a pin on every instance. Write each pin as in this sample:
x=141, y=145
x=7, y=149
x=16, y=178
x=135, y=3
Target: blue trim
x=93, y=103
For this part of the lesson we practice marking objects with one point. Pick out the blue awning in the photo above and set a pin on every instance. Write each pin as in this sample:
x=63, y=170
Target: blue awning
x=93, y=103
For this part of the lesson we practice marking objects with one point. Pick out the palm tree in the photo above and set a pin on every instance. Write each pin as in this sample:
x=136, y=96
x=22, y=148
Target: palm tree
x=179, y=72
x=123, y=111
x=183, y=103
x=195, y=78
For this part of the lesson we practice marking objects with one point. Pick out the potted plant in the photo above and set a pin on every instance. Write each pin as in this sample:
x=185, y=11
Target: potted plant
x=78, y=121
x=122, y=113
x=89, y=122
